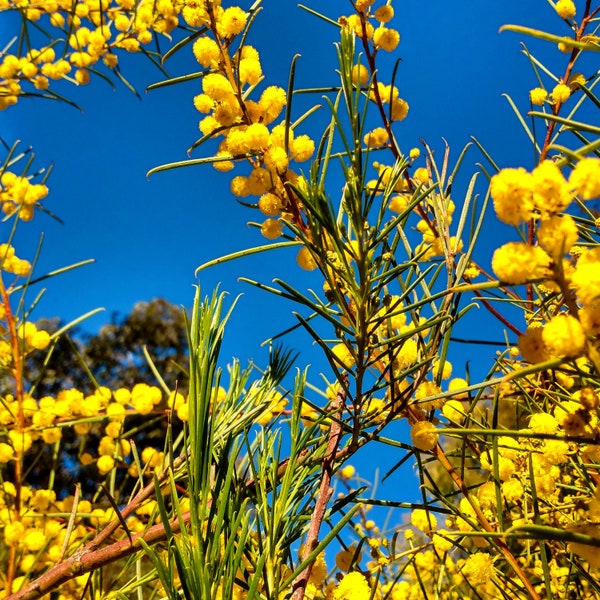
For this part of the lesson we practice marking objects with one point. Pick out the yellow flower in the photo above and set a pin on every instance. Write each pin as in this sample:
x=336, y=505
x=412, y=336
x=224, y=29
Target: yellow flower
x=305, y=260
x=384, y=14
x=360, y=75
x=377, y=137
x=272, y=101
x=347, y=472
x=518, y=262
x=551, y=192
x=386, y=39
x=34, y=540
x=250, y=71
x=343, y=355
x=538, y=96
x=353, y=586
x=557, y=235
x=424, y=436
x=423, y=520
x=511, y=191
x=565, y=9
x=543, y=423
x=441, y=542
x=478, y=569
x=232, y=21
x=585, y=178
x=206, y=51
x=345, y=558
x=586, y=277
x=560, y=93
x=399, y=109
x=216, y=86
x=563, y=335
x=302, y=148
x=271, y=229
x=270, y=205
x=454, y=411
x=512, y=490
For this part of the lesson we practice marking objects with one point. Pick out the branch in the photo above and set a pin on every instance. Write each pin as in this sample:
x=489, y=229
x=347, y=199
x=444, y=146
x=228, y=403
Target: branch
x=325, y=491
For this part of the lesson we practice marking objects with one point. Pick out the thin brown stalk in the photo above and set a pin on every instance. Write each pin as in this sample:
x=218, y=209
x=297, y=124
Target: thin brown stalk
x=325, y=491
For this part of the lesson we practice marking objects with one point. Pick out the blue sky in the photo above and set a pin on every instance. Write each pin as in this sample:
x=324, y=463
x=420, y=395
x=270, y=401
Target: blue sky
x=147, y=236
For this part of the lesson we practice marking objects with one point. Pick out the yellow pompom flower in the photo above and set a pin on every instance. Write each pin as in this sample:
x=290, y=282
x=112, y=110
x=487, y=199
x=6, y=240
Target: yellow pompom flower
x=518, y=262
x=34, y=540
x=353, y=586
x=586, y=277
x=347, y=471
x=276, y=159
x=13, y=533
x=272, y=101
x=384, y=14
x=344, y=558
x=360, y=75
x=206, y=51
x=6, y=453
x=399, y=109
x=585, y=178
x=532, y=346
x=256, y=136
x=270, y=205
x=386, y=39
x=305, y=260
x=203, y=103
x=271, y=229
x=563, y=335
x=565, y=9
x=441, y=542
x=302, y=148
x=377, y=137
x=454, y=411
x=551, y=192
x=543, y=423
x=250, y=71
x=105, y=464
x=589, y=317
x=478, y=569
x=511, y=191
x=557, y=235
x=560, y=93
x=343, y=355
x=423, y=520
x=423, y=435
x=216, y=86
x=232, y=21
x=538, y=96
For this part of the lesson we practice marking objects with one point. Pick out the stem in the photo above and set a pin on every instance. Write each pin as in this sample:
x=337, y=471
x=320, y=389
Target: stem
x=17, y=369
x=508, y=555
x=325, y=491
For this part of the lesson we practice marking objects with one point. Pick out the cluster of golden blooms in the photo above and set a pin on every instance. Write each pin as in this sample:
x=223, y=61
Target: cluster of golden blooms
x=18, y=195
x=37, y=534
x=93, y=31
x=542, y=197
x=249, y=127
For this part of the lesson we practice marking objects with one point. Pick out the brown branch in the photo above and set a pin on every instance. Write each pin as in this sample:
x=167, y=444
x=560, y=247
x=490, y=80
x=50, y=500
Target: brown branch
x=325, y=491
x=504, y=549
x=90, y=558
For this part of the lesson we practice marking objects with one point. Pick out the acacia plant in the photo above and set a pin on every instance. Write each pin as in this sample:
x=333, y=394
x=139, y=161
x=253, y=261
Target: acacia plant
x=241, y=503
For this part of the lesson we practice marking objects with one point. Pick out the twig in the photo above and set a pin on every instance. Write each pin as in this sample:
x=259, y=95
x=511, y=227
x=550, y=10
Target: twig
x=325, y=491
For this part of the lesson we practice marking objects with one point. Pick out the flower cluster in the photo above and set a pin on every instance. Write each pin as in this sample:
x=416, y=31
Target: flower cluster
x=94, y=32
x=542, y=197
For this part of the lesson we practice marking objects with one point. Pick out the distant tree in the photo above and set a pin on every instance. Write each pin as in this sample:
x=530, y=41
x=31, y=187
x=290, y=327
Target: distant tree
x=114, y=357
